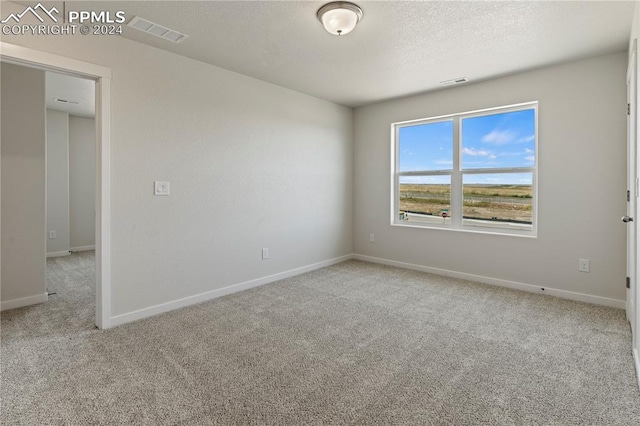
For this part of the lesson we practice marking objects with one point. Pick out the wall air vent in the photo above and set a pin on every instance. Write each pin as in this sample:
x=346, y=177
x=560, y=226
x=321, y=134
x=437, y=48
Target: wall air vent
x=454, y=81
x=157, y=30
x=66, y=101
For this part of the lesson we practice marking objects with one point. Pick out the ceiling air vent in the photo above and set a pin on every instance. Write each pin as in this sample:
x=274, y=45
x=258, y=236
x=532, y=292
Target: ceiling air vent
x=454, y=81
x=66, y=101
x=152, y=28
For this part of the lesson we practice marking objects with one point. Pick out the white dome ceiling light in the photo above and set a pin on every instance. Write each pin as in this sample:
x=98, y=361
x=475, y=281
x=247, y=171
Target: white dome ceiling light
x=339, y=17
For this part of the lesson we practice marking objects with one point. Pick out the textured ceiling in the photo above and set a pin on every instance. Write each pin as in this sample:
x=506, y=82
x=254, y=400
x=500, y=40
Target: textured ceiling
x=399, y=48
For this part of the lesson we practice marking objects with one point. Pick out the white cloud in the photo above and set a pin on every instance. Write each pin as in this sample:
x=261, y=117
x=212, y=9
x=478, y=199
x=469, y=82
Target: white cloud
x=524, y=139
x=475, y=152
x=530, y=158
x=528, y=151
x=499, y=137
x=492, y=157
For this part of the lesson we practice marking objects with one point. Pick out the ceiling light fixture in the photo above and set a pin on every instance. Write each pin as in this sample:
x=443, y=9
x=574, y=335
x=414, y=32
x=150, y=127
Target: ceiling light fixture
x=339, y=17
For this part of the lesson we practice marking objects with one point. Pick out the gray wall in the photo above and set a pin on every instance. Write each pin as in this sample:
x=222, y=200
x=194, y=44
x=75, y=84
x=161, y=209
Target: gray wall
x=70, y=182
x=23, y=184
x=57, y=181
x=251, y=165
x=582, y=181
x=82, y=182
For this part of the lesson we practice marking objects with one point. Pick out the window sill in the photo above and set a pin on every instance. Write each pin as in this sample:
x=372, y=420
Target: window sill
x=469, y=229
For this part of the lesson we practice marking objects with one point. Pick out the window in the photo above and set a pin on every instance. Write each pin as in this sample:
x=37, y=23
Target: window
x=469, y=171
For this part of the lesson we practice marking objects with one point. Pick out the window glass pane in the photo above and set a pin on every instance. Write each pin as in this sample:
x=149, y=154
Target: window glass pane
x=498, y=200
x=499, y=140
x=426, y=147
x=425, y=199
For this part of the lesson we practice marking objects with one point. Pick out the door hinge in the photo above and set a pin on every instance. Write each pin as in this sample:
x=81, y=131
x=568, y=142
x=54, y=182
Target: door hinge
x=628, y=195
x=628, y=282
x=628, y=109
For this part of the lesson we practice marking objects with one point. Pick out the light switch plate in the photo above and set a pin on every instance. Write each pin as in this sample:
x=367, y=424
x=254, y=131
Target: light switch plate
x=161, y=188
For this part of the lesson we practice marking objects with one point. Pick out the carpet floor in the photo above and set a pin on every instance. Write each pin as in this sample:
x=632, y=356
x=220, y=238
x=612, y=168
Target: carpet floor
x=355, y=343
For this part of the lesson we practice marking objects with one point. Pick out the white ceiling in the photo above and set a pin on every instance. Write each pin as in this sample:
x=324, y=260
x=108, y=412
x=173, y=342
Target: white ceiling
x=74, y=89
x=399, y=47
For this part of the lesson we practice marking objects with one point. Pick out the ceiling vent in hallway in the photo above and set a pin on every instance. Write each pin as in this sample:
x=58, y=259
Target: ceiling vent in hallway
x=454, y=81
x=66, y=101
x=152, y=28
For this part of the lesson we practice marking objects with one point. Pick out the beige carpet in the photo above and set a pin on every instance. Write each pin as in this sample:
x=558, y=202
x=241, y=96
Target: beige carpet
x=354, y=343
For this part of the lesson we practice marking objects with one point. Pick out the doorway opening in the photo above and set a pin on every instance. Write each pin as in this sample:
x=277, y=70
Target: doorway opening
x=70, y=193
x=100, y=77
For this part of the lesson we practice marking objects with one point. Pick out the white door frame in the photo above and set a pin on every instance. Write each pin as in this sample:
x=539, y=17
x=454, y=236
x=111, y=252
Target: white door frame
x=632, y=188
x=46, y=61
x=633, y=237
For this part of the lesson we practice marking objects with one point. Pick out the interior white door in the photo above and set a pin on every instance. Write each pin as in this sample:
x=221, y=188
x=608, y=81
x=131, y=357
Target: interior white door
x=632, y=195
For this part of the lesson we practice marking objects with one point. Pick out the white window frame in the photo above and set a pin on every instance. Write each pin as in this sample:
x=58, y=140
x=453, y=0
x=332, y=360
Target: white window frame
x=457, y=172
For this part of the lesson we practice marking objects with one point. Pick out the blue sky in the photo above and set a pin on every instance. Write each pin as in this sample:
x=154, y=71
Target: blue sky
x=490, y=141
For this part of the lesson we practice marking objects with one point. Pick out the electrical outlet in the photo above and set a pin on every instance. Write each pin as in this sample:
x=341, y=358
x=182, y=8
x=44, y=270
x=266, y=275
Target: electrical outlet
x=265, y=253
x=372, y=238
x=584, y=265
x=52, y=235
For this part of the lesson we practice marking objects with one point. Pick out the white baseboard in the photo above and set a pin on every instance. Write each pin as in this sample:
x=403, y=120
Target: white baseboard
x=214, y=294
x=59, y=253
x=636, y=359
x=581, y=297
x=82, y=248
x=24, y=301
